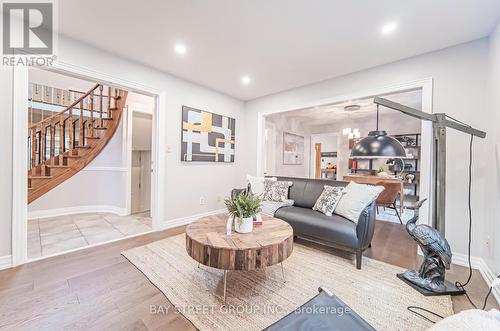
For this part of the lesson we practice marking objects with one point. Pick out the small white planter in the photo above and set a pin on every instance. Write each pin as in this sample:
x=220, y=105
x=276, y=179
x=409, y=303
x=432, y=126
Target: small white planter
x=244, y=225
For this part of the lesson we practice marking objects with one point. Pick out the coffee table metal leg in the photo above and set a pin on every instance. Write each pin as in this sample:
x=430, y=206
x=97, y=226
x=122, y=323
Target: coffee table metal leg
x=225, y=281
x=283, y=272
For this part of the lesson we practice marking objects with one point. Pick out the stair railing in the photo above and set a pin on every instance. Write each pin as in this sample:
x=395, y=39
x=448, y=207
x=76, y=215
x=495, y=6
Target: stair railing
x=55, y=137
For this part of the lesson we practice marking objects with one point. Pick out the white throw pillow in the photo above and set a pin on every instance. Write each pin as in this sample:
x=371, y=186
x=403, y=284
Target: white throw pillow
x=257, y=183
x=328, y=199
x=276, y=190
x=356, y=197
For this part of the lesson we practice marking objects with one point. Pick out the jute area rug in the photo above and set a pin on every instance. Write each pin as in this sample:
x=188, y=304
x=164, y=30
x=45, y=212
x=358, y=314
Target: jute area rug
x=257, y=299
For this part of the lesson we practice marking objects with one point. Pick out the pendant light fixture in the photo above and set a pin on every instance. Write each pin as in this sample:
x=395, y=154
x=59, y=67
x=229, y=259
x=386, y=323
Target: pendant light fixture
x=378, y=145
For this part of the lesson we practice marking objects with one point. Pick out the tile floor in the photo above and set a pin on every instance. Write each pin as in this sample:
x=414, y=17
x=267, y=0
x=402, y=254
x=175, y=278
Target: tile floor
x=47, y=236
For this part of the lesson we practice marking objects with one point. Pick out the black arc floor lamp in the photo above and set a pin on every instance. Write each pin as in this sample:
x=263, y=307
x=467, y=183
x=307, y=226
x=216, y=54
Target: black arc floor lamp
x=430, y=279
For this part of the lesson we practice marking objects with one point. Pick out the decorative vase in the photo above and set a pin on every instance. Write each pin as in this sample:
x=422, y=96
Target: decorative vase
x=244, y=225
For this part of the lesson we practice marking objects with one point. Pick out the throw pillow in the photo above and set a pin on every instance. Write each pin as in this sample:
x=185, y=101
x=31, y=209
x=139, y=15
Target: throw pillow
x=276, y=190
x=355, y=199
x=328, y=199
x=257, y=183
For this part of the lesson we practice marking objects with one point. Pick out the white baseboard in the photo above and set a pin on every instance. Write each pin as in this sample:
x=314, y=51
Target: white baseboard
x=188, y=219
x=76, y=210
x=479, y=264
x=5, y=262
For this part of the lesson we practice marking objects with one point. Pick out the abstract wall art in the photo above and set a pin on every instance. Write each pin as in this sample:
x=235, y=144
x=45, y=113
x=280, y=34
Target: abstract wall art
x=293, y=148
x=207, y=137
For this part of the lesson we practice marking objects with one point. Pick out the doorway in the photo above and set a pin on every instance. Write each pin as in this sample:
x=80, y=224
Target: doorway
x=140, y=200
x=20, y=213
x=328, y=107
x=323, y=159
x=139, y=152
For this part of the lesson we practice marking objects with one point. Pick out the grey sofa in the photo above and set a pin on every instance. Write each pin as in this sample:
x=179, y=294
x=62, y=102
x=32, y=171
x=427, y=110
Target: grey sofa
x=335, y=231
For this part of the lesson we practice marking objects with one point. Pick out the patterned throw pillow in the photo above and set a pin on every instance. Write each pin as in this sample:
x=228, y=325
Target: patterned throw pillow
x=276, y=190
x=329, y=199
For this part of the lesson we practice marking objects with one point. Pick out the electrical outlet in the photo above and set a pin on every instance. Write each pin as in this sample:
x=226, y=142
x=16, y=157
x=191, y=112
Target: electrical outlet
x=203, y=201
x=488, y=241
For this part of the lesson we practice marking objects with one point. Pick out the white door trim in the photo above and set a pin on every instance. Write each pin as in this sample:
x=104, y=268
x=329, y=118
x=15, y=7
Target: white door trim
x=19, y=164
x=19, y=180
x=425, y=84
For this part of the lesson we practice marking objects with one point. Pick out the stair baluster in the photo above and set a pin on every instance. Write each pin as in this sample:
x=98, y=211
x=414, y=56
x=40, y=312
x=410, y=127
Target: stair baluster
x=33, y=151
x=42, y=149
x=108, y=114
x=52, y=141
x=91, y=124
x=61, y=139
x=101, y=105
x=70, y=133
x=81, y=138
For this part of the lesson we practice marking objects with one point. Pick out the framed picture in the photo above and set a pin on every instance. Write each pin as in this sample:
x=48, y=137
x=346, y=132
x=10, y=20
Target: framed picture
x=206, y=137
x=293, y=148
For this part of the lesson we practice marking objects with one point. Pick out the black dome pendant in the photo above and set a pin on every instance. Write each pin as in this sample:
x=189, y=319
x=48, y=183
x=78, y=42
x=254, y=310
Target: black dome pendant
x=378, y=145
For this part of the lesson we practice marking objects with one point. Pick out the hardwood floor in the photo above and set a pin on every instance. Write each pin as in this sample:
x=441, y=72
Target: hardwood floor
x=97, y=288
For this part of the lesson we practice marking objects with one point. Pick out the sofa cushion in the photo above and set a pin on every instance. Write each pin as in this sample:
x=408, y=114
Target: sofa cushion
x=305, y=192
x=335, y=229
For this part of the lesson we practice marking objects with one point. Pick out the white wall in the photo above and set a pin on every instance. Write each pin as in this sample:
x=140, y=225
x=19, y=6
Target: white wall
x=493, y=150
x=460, y=89
x=281, y=125
x=184, y=183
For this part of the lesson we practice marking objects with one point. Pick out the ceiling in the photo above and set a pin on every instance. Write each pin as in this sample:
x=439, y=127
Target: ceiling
x=279, y=44
x=335, y=113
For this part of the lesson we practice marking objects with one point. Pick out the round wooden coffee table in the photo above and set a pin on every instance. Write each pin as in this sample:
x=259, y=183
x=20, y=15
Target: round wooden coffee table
x=268, y=244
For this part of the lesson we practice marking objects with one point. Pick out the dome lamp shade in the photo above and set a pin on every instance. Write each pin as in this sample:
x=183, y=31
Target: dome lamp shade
x=378, y=145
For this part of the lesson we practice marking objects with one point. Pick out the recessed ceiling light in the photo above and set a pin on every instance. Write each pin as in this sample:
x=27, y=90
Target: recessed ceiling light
x=180, y=49
x=245, y=80
x=388, y=28
x=352, y=107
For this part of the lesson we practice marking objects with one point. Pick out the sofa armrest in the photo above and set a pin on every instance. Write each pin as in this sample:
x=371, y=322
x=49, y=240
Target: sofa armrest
x=366, y=226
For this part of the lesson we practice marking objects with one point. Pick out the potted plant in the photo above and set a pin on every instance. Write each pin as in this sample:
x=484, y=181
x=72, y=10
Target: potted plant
x=242, y=207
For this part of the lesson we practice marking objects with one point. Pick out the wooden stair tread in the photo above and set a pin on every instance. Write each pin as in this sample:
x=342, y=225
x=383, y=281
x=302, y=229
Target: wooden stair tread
x=93, y=138
x=82, y=147
x=39, y=177
x=100, y=128
x=72, y=156
x=56, y=166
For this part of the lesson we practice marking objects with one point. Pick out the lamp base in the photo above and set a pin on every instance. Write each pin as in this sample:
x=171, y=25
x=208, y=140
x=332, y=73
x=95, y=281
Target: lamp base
x=448, y=289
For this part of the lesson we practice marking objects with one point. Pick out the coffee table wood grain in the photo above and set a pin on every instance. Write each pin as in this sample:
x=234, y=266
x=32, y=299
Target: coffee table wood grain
x=268, y=244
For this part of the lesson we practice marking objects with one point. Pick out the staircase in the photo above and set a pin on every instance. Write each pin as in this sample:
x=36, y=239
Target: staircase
x=63, y=144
